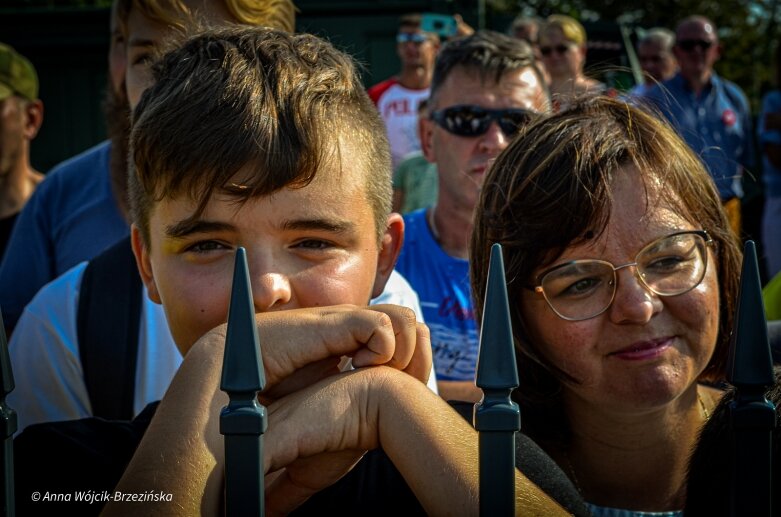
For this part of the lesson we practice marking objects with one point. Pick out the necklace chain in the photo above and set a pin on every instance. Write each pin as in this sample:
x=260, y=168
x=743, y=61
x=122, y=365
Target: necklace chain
x=571, y=468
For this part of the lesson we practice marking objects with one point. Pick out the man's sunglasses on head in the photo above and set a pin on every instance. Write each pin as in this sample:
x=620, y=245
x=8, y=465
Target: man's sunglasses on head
x=690, y=44
x=467, y=120
x=411, y=37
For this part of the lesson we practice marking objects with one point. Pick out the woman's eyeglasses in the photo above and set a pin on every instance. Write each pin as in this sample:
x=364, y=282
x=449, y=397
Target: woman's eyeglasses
x=468, y=120
x=559, y=49
x=690, y=44
x=669, y=266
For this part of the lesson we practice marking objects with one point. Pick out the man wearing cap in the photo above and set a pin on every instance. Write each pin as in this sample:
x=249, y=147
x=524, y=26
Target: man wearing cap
x=21, y=115
x=77, y=211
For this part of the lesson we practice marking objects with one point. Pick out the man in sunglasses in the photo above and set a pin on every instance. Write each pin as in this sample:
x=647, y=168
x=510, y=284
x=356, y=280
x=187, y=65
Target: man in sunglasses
x=485, y=88
x=397, y=98
x=710, y=113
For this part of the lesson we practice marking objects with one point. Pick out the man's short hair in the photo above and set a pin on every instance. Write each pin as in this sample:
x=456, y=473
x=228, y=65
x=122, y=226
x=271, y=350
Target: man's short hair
x=664, y=37
x=271, y=107
x=487, y=54
x=411, y=20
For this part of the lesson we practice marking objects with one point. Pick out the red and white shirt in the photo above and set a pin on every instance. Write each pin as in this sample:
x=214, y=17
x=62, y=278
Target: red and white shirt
x=398, y=107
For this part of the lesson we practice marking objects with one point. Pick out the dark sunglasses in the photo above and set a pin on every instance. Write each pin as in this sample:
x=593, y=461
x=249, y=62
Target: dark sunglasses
x=559, y=49
x=690, y=44
x=411, y=37
x=466, y=120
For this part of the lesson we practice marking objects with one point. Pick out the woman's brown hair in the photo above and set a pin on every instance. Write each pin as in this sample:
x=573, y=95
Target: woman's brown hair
x=551, y=189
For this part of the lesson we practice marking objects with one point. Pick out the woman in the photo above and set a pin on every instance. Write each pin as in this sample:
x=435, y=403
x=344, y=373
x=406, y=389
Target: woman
x=621, y=315
x=563, y=49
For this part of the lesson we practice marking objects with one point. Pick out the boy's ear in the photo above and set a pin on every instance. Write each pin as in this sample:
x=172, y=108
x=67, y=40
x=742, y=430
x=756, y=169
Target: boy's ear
x=144, y=264
x=390, y=246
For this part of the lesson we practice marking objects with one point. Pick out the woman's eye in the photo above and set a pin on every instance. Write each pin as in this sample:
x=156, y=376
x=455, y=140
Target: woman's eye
x=581, y=287
x=664, y=264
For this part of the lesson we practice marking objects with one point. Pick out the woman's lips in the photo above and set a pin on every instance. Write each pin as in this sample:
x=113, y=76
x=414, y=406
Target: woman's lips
x=644, y=349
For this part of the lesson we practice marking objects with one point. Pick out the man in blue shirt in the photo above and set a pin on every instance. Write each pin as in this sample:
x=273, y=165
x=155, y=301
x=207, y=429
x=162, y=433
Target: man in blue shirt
x=484, y=87
x=710, y=113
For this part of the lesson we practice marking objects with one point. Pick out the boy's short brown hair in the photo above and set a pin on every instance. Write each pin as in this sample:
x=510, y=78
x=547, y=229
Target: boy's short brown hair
x=272, y=106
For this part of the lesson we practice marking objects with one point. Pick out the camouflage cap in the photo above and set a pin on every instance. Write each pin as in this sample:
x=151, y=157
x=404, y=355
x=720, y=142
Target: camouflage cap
x=17, y=75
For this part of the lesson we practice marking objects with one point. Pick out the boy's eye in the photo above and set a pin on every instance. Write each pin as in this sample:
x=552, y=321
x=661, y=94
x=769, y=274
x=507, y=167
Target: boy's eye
x=206, y=246
x=313, y=244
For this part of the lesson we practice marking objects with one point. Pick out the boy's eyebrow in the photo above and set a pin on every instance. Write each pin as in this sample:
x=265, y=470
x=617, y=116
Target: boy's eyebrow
x=190, y=226
x=329, y=225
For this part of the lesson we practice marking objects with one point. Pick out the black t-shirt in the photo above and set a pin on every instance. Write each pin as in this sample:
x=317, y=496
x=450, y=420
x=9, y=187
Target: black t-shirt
x=66, y=461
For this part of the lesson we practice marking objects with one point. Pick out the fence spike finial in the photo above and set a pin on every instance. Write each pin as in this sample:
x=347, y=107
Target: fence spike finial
x=752, y=416
x=496, y=416
x=244, y=420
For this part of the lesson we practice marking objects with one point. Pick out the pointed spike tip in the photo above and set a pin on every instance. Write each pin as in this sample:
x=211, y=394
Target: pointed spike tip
x=496, y=368
x=750, y=361
x=242, y=368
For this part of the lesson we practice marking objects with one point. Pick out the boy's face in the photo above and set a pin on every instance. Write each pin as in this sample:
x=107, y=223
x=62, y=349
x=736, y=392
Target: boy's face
x=306, y=247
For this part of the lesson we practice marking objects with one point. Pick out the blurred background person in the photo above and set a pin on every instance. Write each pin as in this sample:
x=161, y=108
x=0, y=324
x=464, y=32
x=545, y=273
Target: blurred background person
x=527, y=28
x=563, y=49
x=78, y=211
x=711, y=113
x=398, y=97
x=21, y=116
x=769, y=131
x=415, y=180
x=655, y=53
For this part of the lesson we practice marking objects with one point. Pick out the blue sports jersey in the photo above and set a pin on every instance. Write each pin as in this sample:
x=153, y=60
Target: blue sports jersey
x=442, y=284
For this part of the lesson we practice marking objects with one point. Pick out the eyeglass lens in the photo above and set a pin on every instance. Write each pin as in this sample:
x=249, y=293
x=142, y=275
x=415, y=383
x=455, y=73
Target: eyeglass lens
x=475, y=121
x=669, y=266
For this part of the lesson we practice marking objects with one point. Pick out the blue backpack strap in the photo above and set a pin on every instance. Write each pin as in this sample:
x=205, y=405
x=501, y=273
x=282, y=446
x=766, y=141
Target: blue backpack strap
x=107, y=325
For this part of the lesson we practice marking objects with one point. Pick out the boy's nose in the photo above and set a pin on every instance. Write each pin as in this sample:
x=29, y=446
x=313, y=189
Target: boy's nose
x=270, y=283
x=270, y=291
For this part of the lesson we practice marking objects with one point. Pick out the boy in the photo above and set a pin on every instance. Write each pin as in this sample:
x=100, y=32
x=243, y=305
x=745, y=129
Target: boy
x=304, y=187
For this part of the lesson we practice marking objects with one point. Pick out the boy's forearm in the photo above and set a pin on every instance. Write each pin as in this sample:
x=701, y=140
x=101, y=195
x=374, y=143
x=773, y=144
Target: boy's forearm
x=441, y=462
x=465, y=391
x=180, y=451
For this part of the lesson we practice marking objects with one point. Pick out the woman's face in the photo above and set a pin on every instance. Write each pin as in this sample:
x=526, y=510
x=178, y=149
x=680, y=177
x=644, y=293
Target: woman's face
x=645, y=350
x=562, y=58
